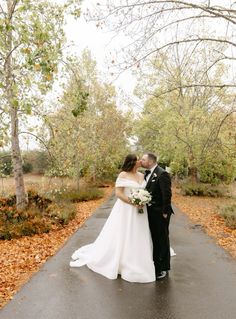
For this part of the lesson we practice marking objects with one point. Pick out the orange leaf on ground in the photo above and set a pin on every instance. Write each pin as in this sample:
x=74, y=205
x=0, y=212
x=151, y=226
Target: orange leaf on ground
x=21, y=258
x=203, y=211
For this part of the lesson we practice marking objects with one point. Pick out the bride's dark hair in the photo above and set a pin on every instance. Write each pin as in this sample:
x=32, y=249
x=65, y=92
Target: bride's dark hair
x=129, y=162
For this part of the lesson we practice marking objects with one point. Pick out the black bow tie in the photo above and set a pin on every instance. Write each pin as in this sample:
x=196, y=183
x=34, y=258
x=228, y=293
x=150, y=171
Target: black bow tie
x=147, y=172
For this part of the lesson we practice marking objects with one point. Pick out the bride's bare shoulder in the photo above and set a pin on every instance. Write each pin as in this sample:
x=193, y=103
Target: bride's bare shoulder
x=122, y=174
x=140, y=174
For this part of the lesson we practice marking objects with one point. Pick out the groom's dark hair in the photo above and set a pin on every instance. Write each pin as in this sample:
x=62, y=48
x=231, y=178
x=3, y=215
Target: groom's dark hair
x=152, y=157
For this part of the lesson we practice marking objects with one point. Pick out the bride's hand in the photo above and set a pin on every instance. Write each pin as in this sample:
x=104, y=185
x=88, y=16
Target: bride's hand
x=135, y=205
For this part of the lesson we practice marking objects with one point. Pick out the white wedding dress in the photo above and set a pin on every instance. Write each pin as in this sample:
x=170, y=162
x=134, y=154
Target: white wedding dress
x=124, y=245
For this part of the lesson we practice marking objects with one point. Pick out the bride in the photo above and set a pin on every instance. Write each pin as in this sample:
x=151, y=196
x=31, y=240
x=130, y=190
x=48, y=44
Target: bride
x=124, y=245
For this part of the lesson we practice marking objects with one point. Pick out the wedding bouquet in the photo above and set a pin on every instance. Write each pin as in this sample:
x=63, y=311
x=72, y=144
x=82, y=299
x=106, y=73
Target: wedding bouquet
x=140, y=197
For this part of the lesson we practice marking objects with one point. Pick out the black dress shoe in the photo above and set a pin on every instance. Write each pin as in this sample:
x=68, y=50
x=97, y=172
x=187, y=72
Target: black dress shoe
x=161, y=275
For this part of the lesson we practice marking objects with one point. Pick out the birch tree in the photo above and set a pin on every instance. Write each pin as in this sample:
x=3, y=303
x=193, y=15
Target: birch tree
x=30, y=48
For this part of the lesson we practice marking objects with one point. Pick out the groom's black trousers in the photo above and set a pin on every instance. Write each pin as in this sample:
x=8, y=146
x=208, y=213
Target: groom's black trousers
x=159, y=227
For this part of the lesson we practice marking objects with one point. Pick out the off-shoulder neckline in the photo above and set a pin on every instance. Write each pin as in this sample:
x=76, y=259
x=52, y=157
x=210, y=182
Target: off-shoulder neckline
x=131, y=180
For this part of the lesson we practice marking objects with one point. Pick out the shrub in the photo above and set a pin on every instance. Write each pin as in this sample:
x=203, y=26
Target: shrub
x=56, y=193
x=217, y=169
x=33, y=197
x=8, y=201
x=41, y=214
x=35, y=161
x=179, y=168
x=27, y=168
x=62, y=212
x=15, y=224
x=30, y=227
x=229, y=214
x=73, y=195
x=192, y=189
x=40, y=201
x=6, y=167
x=101, y=183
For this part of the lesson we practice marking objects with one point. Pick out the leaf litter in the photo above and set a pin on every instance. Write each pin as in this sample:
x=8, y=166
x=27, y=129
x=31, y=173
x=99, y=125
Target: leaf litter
x=22, y=257
x=203, y=211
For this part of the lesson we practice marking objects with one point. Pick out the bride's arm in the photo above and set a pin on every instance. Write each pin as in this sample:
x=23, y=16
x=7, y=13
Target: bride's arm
x=121, y=195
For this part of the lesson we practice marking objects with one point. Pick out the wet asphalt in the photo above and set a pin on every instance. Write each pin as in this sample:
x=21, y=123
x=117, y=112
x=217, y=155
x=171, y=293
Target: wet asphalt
x=201, y=284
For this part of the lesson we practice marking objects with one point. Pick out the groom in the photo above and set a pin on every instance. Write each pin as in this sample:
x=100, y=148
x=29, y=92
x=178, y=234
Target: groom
x=159, y=185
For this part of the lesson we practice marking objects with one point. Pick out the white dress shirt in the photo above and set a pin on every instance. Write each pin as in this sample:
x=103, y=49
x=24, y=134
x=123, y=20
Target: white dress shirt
x=149, y=175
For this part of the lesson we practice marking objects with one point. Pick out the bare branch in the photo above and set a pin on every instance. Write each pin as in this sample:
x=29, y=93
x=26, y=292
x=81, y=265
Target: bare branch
x=13, y=9
x=41, y=140
x=148, y=15
x=218, y=60
x=185, y=41
x=182, y=140
x=219, y=12
x=185, y=19
x=216, y=11
x=217, y=86
x=2, y=11
x=9, y=54
x=215, y=131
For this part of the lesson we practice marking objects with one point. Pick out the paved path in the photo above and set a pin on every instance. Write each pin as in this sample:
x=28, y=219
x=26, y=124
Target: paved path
x=201, y=285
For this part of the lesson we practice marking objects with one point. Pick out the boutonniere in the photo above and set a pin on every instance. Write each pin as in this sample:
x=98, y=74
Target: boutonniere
x=154, y=177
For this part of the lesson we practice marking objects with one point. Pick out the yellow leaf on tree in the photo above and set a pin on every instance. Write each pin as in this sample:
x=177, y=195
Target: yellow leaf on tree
x=49, y=77
x=27, y=50
x=37, y=67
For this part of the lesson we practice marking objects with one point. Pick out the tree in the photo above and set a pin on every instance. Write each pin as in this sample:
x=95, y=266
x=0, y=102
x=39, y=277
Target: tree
x=189, y=128
x=154, y=27
x=93, y=140
x=37, y=160
x=30, y=49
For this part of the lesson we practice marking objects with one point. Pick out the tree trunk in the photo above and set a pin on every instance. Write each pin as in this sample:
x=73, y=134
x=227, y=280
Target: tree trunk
x=78, y=175
x=193, y=173
x=192, y=169
x=21, y=198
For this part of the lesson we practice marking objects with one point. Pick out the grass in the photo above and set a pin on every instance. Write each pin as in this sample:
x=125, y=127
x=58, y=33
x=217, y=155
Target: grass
x=229, y=214
x=40, y=183
x=85, y=194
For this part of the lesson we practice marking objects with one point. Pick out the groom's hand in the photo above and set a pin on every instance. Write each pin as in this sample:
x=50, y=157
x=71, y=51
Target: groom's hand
x=165, y=215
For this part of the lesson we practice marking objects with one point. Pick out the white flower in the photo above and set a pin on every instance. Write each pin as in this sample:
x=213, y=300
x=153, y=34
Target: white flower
x=140, y=197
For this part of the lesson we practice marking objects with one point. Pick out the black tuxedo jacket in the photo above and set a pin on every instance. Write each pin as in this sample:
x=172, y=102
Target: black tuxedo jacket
x=159, y=185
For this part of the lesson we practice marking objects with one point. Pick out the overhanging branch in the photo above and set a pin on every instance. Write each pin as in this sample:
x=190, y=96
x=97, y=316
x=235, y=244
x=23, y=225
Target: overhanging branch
x=216, y=86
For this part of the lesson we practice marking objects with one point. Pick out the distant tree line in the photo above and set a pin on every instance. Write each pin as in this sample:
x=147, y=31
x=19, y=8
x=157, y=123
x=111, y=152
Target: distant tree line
x=35, y=161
